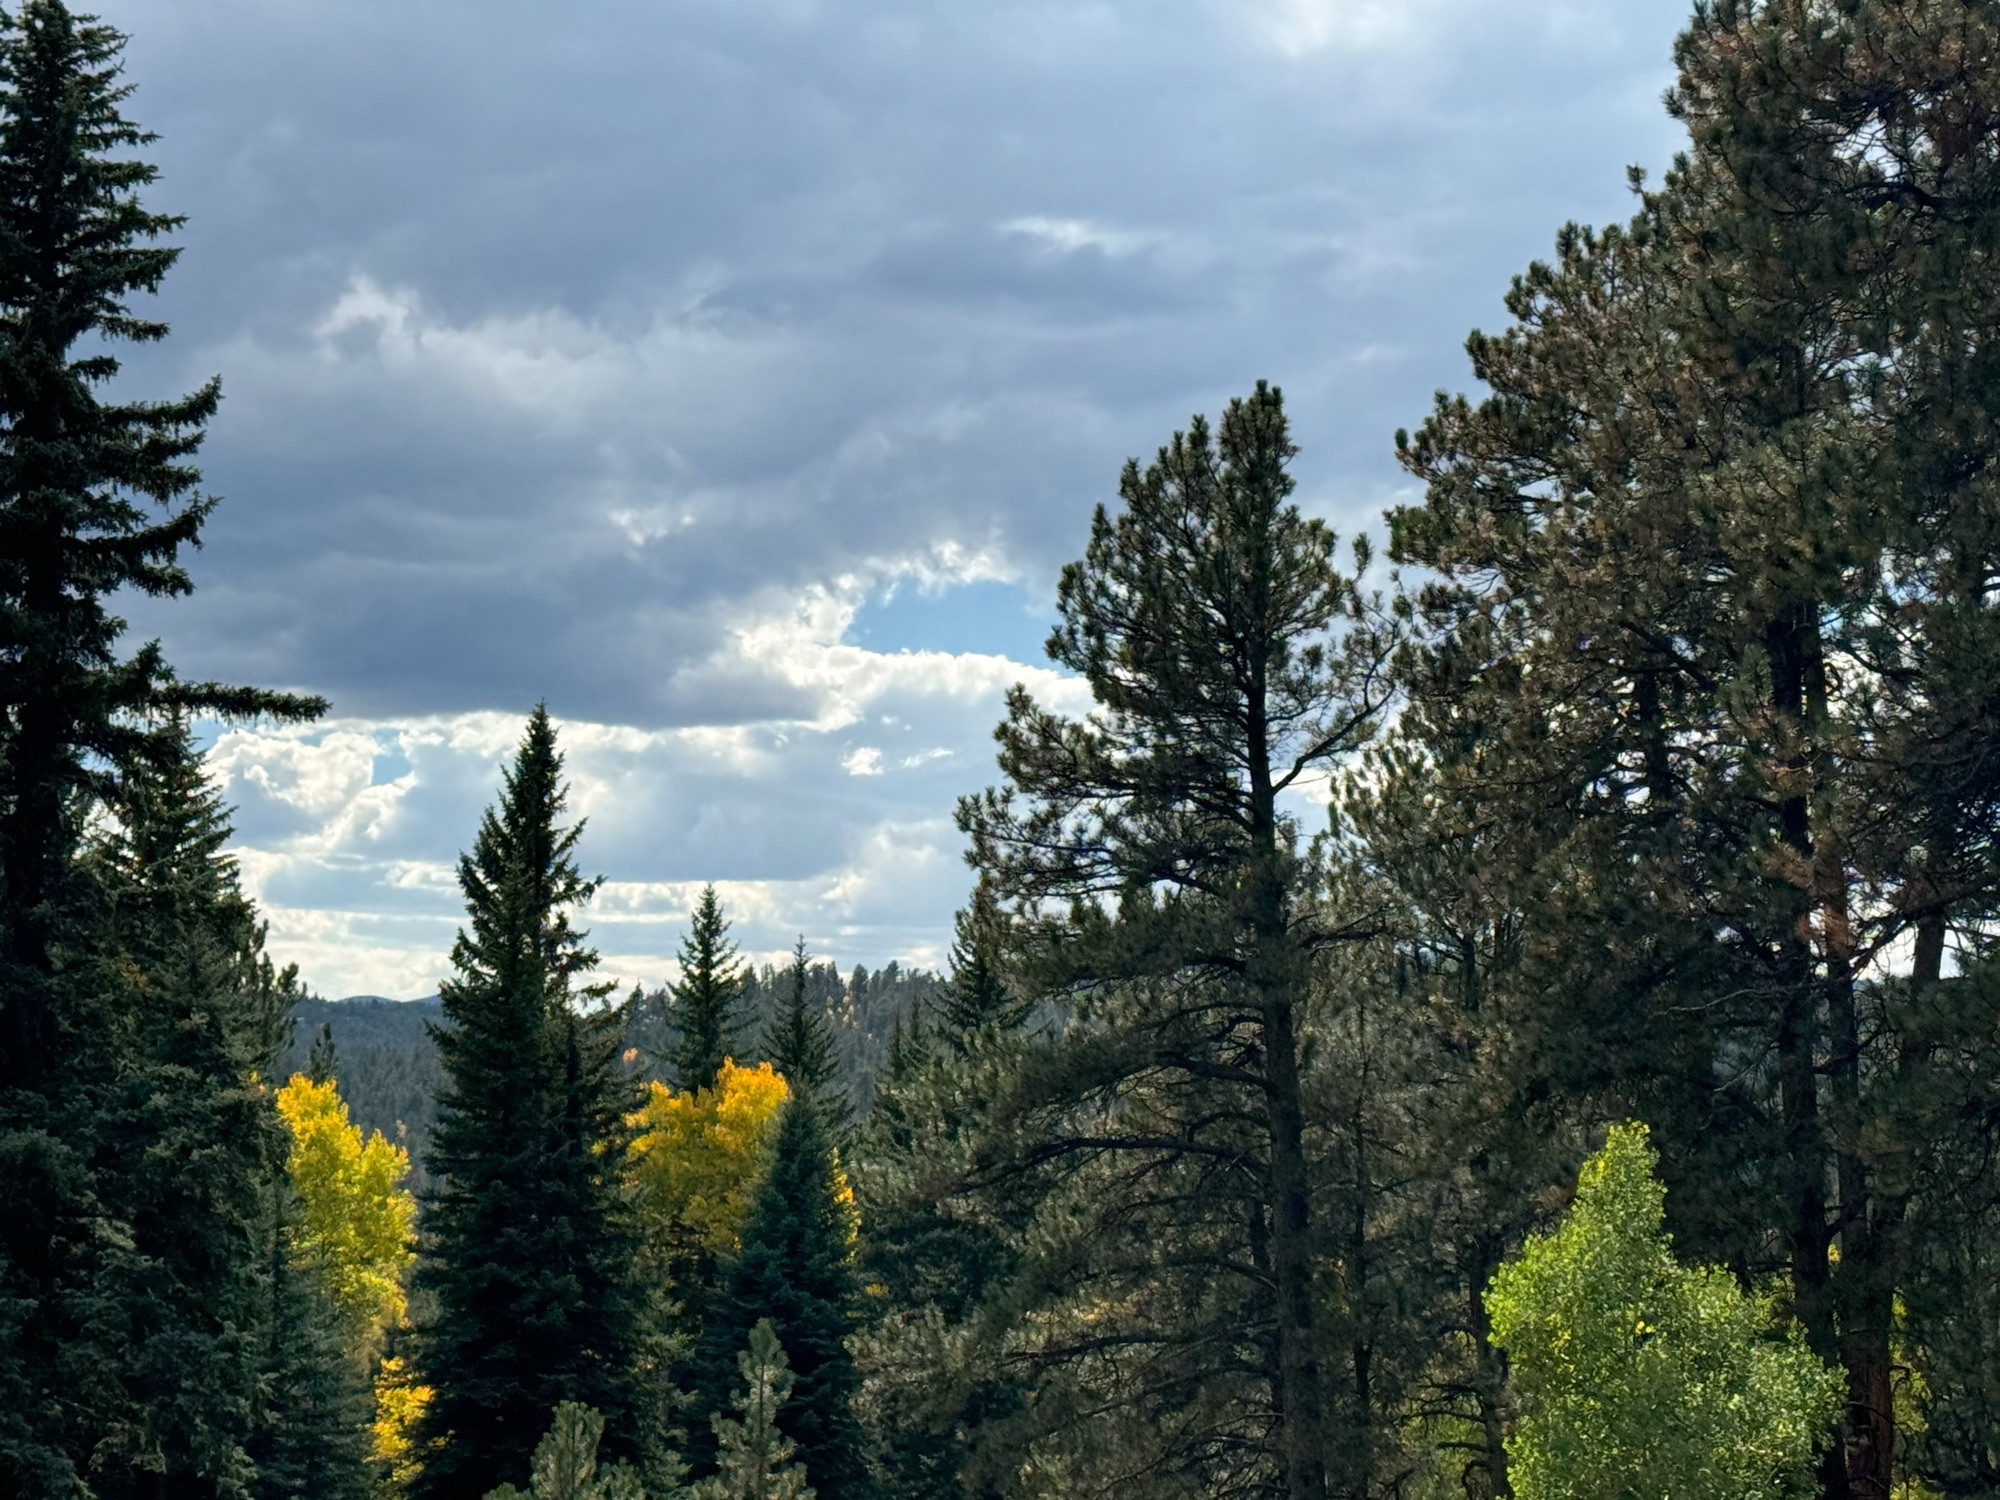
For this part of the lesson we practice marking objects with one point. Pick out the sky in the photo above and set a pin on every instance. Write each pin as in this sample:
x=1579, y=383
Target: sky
x=736, y=375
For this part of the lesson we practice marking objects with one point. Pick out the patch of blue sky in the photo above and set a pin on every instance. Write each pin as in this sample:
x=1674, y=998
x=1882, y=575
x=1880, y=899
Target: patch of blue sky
x=390, y=761
x=988, y=617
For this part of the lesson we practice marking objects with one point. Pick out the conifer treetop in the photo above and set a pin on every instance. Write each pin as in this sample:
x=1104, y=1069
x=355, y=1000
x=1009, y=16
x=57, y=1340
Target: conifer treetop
x=704, y=998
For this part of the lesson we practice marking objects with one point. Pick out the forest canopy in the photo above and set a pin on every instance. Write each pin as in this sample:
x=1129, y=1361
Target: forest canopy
x=1508, y=1007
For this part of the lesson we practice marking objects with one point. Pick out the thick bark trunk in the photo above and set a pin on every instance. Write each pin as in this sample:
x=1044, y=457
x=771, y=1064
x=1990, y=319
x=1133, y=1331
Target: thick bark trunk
x=1301, y=1398
x=1806, y=1169
x=1276, y=974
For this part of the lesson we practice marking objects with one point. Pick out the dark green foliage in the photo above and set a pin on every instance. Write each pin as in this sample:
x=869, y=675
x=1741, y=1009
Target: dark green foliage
x=322, y=1062
x=1711, y=646
x=800, y=1044
x=930, y=1261
x=796, y=1268
x=1152, y=877
x=703, y=1007
x=976, y=997
x=108, y=1354
x=197, y=1144
x=313, y=1437
x=527, y=1252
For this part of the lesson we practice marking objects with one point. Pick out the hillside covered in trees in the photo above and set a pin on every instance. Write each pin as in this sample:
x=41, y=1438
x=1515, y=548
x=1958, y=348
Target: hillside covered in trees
x=1521, y=1019
x=386, y=1063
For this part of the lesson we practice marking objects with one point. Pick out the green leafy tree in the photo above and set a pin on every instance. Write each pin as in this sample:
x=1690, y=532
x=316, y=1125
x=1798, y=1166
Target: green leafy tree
x=705, y=1000
x=529, y=1250
x=1157, y=885
x=754, y=1458
x=565, y=1463
x=1639, y=1375
x=87, y=1380
x=796, y=1270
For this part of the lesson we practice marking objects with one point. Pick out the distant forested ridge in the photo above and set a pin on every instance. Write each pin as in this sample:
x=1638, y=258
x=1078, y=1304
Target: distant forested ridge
x=388, y=1071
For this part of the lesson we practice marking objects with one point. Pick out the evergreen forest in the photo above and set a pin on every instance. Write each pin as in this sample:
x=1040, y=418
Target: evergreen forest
x=1505, y=1006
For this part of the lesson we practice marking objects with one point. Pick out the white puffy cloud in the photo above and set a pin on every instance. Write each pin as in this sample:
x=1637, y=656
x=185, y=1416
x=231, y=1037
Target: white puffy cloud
x=348, y=831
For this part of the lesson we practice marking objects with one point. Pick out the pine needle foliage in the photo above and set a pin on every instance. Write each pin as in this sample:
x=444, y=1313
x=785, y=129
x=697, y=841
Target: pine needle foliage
x=754, y=1458
x=796, y=1269
x=97, y=496
x=705, y=1000
x=800, y=1045
x=1155, y=884
x=565, y=1463
x=529, y=1247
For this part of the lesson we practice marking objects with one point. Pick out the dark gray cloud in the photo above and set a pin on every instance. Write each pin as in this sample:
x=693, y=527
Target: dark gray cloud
x=680, y=307
x=684, y=361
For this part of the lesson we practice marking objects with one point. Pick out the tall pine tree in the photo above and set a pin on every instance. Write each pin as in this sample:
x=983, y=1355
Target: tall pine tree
x=1713, y=607
x=796, y=1269
x=529, y=1251
x=1153, y=875
x=202, y=1152
x=87, y=1381
x=704, y=999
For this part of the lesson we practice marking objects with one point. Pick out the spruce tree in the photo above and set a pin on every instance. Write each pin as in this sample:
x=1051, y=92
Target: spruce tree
x=312, y=1436
x=79, y=475
x=529, y=1252
x=705, y=998
x=976, y=997
x=795, y=1268
x=200, y=1143
x=800, y=1044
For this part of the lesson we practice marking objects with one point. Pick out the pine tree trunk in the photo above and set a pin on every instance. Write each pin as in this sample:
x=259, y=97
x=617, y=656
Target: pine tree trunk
x=1300, y=1397
x=1275, y=972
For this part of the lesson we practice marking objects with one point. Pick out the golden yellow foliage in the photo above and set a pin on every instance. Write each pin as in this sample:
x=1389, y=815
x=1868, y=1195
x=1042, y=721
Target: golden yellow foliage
x=355, y=1220
x=399, y=1402
x=697, y=1157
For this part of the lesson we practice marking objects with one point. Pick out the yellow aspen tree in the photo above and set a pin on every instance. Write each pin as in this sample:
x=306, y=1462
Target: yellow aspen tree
x=697, y=1157
x=355, y=1219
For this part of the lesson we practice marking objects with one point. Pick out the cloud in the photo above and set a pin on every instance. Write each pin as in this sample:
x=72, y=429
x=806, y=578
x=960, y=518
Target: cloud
x=737, y=375
x=1068, y=236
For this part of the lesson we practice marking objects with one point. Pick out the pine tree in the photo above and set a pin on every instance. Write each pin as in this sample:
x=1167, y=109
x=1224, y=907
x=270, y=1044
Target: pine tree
x=753, y=1458
x=565, y=1463
x=933, y=1265
x=976, y=996
x=529, y=1250
x=77, y=474
x=194, y=1127
x=1713, y=616
x=800, y=1045
x=312, y=1439
x=1151, y=874
x=796, y=1269
x=323, y=1062
x=705, y=998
